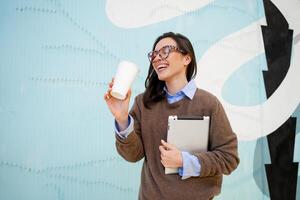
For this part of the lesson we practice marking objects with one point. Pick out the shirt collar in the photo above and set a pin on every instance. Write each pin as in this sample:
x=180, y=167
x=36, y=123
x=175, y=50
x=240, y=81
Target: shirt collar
x=189, y=90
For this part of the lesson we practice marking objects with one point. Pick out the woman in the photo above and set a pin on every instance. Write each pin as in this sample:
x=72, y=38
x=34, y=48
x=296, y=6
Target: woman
x=142, y=132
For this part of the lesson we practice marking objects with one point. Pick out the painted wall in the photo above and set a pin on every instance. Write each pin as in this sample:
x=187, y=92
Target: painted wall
x=57, y=57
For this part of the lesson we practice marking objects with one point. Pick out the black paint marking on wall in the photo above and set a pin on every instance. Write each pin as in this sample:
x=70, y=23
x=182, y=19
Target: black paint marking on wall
x=278, y=46
x=282, y=172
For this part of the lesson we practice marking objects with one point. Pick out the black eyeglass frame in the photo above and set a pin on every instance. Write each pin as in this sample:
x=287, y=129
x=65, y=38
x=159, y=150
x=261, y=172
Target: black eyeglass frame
x=151, y=55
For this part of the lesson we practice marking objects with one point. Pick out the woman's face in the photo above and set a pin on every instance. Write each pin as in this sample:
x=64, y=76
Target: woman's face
x=174, y=66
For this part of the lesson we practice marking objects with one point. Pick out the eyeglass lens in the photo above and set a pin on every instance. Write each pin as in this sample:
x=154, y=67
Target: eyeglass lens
x=163, y=53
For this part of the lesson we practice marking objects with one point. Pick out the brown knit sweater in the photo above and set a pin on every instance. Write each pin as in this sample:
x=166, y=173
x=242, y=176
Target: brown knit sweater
x=150, y=126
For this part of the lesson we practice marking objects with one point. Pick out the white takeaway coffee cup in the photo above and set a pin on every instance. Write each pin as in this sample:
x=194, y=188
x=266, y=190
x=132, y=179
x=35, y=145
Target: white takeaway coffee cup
x=124, y=77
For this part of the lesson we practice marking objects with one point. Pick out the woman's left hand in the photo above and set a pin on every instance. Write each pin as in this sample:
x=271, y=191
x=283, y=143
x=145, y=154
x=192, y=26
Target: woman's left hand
x=170, y=155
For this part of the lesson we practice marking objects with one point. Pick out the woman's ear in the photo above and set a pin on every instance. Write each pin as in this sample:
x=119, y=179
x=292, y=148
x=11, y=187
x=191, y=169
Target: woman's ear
x=187, y=60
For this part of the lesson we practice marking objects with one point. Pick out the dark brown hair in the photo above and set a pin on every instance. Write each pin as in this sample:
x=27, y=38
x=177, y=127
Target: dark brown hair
x=154, y=87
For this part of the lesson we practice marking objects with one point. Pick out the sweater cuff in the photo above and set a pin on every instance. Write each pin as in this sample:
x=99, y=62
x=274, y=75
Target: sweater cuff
x=124, y=134
x=129, y=139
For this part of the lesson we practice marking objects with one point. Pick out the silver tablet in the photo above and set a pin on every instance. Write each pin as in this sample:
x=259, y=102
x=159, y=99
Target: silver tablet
x=188, y=133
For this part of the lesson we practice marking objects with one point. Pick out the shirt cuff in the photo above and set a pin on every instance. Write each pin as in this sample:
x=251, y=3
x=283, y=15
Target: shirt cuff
x=191, y=166
x=124, y=134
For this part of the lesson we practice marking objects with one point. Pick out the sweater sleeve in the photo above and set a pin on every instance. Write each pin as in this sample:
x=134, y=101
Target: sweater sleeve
x=222, y=155
x=131, y=148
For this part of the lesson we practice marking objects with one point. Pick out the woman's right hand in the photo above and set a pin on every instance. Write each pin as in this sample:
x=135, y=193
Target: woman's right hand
x=119, y=108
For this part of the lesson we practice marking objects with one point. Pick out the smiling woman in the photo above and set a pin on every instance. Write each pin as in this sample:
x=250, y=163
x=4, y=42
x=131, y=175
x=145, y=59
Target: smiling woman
x=176, y=63
x=142, y=132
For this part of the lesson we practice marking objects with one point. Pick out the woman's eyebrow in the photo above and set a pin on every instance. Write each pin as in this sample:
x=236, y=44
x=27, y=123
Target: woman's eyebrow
x=164, y=46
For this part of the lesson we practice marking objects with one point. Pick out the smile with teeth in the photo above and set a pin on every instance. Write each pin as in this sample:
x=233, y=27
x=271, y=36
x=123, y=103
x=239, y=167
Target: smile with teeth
x=161, y=67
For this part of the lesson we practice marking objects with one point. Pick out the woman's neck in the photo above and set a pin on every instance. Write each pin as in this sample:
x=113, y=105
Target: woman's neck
x=174, y=86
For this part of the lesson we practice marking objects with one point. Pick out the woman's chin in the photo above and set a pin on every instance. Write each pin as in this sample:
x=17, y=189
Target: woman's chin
x=161, y=78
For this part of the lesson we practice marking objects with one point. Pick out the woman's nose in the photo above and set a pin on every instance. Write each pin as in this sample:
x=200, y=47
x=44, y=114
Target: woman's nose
x=156, y=58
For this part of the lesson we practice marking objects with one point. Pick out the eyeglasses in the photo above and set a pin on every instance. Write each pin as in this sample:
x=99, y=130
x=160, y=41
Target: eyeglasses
x=163, y=52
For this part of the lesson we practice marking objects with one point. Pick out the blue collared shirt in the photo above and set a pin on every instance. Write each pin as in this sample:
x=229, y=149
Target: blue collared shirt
x=191, y=164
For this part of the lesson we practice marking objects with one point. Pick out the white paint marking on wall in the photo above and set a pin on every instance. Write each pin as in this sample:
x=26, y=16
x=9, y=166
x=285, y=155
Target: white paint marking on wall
x=138, y=13
x=225, y=57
